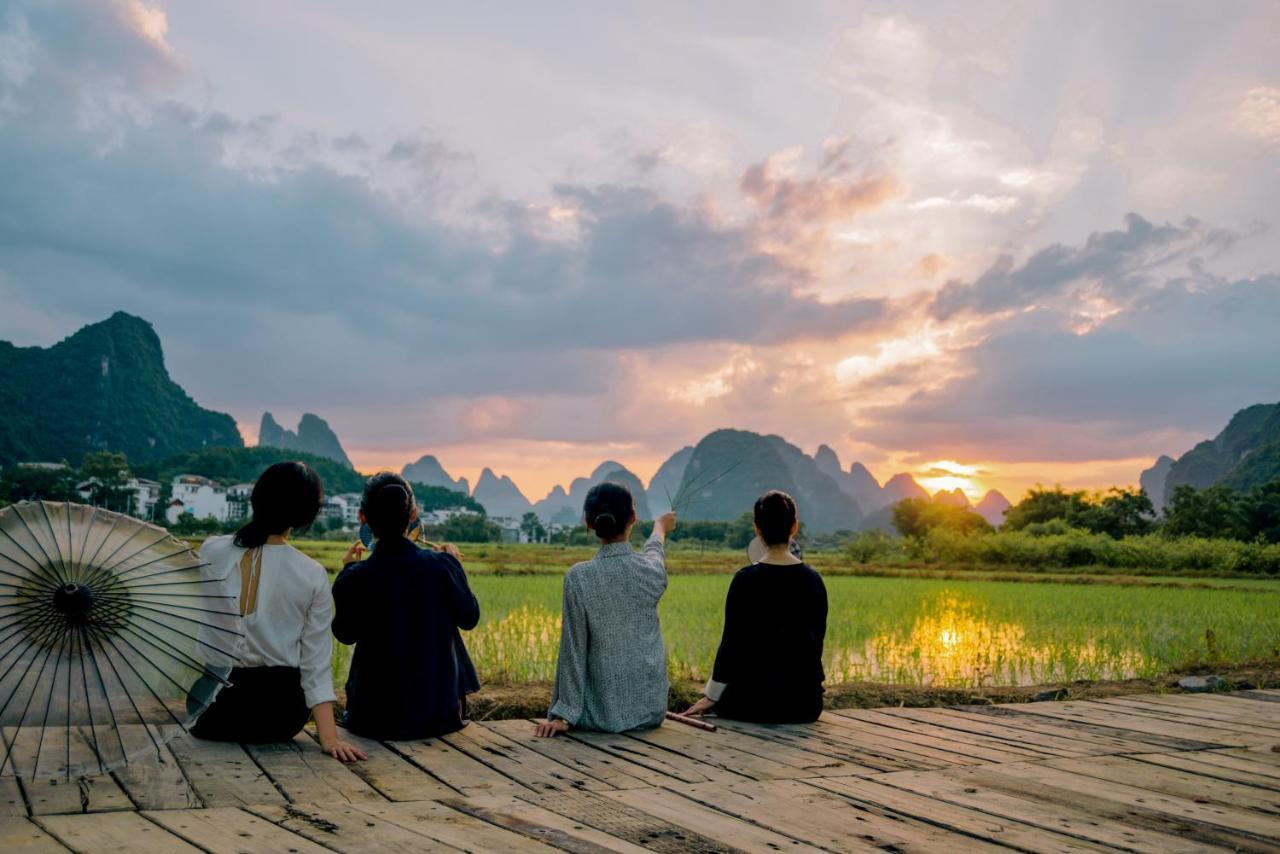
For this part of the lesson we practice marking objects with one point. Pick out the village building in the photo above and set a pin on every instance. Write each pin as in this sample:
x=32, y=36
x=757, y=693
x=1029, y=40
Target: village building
x=197, y=497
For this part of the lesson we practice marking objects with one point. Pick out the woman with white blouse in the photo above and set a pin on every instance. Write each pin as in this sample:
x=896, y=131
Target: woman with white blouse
x=284, y=674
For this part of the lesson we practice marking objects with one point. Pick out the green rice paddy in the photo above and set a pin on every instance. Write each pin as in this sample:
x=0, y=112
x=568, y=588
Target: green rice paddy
x=914, y=631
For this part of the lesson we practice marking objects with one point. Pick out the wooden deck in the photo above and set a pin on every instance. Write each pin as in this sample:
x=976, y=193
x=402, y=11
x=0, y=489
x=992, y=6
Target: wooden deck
x=1146, y=773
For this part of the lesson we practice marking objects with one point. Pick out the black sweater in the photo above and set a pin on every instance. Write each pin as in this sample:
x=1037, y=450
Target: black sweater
x=402, y=608
x=770, y=656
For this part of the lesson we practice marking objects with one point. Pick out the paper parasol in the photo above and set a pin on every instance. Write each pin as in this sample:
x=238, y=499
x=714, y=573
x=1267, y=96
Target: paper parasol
x=113, y=638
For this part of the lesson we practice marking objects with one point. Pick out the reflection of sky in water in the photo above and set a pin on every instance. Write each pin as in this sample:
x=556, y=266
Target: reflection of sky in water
x=949, y=639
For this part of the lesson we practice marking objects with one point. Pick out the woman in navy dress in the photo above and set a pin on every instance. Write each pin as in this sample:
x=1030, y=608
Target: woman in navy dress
x=403, y=607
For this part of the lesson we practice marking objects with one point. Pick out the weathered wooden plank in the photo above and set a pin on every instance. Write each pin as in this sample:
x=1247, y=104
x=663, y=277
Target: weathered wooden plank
x=77, y=795
x=617, y=772
x=1173, y=782
x=677, y=768
x=824, y=818
x=1227, y=707
x=963, y=788
x=157, y=783
x=518, y=762
x=342, y=827
x=223, y=774
x=1027, y=716
x=393, y=776
x=1263, y=696
x=112, y=833
x=535, y=822
x=12, y=802
x=456, y=769
x=716, y=749
x=446, y=825
x=1090, y=713
x=626, y=823
x=735, y=738
x=674, y=808
x=59, y=794
x=1185, y=713
x=840, y=744
x=1046, y=743
x=955, y=751
x=24, y=836
x=1261, y=753
x=229, y=830
x=965, y=743
x=1101, y=740
x=873, y=794
x=1206, y=823
x=898, y=754
x=1199, y=762
x=308, y=775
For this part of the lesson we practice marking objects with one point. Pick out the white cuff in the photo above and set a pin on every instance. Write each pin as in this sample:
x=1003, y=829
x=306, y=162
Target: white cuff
x=714, y=689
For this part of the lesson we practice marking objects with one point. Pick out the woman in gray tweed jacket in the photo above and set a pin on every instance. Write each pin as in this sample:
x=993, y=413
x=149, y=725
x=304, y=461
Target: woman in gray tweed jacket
x=612, y=672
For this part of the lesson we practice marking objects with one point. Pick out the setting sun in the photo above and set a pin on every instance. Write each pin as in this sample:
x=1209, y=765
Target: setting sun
x=948, y=475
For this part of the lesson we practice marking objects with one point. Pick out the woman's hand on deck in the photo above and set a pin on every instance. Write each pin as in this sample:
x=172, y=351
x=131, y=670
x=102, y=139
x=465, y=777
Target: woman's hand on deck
x=704, y=705
x=343, y=751
x=355, y=553
x=550, y=729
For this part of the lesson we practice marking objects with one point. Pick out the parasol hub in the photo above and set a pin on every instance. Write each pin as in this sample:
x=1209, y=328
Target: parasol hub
x=74, y=601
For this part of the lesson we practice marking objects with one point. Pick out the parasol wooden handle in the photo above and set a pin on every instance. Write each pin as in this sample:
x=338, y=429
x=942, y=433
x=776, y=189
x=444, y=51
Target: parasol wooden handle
x=691, y=721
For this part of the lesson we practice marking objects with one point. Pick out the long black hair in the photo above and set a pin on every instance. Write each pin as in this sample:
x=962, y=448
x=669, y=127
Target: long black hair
x=388, y=505
x=608, y=509
x=287, y=496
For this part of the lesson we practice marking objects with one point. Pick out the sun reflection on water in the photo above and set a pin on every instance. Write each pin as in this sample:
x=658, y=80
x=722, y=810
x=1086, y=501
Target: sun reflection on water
x=953, y=643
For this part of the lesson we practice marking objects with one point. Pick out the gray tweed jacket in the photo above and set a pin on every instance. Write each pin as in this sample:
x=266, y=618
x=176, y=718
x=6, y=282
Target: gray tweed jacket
x=612, y=672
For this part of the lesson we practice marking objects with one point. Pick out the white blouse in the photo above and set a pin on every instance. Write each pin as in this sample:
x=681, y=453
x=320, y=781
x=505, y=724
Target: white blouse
x=290, y=624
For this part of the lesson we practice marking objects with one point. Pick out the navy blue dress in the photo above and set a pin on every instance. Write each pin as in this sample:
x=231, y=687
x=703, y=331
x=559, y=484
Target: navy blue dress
x=410, y=673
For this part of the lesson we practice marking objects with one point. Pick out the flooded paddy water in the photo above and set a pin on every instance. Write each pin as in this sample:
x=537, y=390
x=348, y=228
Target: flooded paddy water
x=921, y=632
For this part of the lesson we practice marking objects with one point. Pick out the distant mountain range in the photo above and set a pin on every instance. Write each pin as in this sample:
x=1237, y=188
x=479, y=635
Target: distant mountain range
x=314, y=436
x=729, y=468
x=427, y=470
x=106, y=387
x=1245, y=454
x=103, y=388
x=565, y=508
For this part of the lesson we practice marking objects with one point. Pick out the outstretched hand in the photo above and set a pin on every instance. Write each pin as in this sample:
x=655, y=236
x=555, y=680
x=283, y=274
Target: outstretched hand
x=704, y=705
x=666, y=523
x=550, y=729
x=343, y=751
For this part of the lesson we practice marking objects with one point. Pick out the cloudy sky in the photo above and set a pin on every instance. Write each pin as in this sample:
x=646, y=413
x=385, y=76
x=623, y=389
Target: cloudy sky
x=1039, y=240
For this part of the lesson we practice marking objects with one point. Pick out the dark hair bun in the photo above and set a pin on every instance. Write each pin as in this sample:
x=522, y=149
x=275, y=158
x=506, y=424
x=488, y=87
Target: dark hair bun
x=388, y=505
x=608, y=509
x=775, y=516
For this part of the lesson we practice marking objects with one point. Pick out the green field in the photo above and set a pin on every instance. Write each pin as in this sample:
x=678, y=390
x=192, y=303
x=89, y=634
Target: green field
x=963, y=631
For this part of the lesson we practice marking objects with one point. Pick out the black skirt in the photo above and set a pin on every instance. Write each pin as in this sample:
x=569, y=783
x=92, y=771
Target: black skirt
x=262, y=704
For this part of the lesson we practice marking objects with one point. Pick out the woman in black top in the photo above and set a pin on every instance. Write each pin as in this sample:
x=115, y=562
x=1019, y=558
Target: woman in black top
x=402, y=608
x=769, y=665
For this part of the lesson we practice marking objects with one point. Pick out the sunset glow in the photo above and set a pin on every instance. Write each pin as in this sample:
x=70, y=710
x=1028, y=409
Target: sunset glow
x=938, y=244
